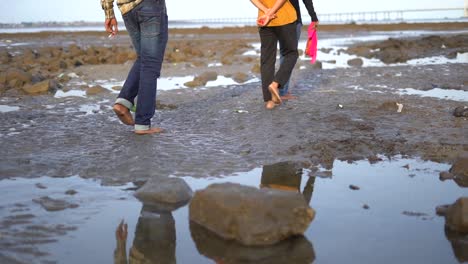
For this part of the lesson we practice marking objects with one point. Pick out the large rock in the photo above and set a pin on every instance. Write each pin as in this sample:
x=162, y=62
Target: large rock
x=249, y=215
x=457, y=216
x=40, y=87
x=460, y=170
x=164, y=193
x=294, y=250
x=97, y=89
x=17, y=77
x=202, y=79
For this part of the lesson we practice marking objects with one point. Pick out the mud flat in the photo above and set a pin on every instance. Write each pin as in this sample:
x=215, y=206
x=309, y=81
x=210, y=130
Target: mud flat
x=355, y=106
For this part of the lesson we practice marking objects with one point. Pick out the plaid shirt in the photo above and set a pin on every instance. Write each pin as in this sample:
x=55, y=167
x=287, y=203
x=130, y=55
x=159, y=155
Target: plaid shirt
x=124, y=6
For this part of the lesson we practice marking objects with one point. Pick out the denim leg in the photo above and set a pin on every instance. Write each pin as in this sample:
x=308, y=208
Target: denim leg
x=130, y=88
x=269, y=42
x=285, y=88
x=149, y=21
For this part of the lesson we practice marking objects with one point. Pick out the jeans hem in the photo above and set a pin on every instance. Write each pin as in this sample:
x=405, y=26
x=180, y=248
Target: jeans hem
x=141, y=127
x=124, y=102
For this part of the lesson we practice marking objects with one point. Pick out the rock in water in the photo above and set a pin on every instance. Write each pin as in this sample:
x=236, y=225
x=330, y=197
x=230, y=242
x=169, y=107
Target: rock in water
x=54, y=204
x=166, y=193
x=457, y=216
x=460, y=170
x=251, y=216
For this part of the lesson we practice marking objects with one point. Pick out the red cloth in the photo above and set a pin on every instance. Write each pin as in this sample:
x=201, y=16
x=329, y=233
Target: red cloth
x=311, y=46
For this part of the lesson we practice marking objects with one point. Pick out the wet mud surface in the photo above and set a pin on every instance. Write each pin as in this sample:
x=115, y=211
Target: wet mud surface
x=206, y=135
x=341, y=117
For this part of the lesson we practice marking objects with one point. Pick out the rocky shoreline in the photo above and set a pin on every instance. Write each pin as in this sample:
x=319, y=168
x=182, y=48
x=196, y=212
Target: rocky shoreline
x=310, y=130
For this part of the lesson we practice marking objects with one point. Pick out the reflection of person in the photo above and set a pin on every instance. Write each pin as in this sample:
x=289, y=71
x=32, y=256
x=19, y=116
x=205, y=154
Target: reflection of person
x=276, y=21
x=286, y=176
x=155, y=239
x=146, y=23
x=284, y=93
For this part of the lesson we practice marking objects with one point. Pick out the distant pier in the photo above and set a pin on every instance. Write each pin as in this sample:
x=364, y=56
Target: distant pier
x=434, y=14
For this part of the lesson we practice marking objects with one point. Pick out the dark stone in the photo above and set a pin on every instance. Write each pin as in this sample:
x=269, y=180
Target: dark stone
x=461, y=111
x=54, y=204
x=357, y=62
x=164, y=193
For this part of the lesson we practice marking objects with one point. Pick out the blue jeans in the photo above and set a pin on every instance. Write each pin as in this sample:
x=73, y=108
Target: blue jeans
x=147, y=26
x=284, y=89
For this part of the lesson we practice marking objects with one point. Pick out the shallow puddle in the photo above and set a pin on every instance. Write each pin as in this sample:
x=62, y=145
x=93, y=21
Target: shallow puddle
x=366, y=213
x=8, y=108
x=448, y=94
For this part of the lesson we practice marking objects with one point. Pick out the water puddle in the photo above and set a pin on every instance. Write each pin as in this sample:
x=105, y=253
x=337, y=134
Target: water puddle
x=447, y=94
x=335, y=56
x=381, y=208
x=173, y=83
x=8, y=108
x=71, y=93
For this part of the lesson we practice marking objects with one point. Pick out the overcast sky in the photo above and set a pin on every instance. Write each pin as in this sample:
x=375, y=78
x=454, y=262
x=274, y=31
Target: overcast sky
x=90, y=10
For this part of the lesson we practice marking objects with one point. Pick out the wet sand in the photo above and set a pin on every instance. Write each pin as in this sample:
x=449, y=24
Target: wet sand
x=341, y=114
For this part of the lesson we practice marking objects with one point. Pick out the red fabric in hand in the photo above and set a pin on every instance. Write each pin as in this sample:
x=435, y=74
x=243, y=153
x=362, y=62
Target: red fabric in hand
x=311, y=46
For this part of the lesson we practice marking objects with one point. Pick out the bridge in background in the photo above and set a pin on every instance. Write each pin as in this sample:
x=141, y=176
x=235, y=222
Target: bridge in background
x=439, y=14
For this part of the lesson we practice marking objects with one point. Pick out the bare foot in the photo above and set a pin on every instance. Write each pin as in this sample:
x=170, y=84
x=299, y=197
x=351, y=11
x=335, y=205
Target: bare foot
x=275, y=97
x=270, y=105
x=153, y=130
x=123, y=114
x=288, y=96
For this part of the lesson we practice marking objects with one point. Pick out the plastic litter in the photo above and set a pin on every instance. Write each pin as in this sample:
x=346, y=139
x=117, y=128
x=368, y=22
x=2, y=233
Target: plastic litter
x=240, y=111
x=400, y=107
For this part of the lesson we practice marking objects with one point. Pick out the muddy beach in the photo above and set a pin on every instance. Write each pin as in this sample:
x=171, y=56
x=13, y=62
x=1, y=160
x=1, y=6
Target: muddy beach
x=381, y=96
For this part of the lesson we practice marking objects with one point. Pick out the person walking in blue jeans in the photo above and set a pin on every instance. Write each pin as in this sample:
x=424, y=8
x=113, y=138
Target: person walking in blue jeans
x=147, y=25
x=284, y=92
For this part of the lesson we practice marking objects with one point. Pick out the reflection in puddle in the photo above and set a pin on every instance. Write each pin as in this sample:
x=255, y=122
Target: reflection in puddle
x=382, y=208
x=448, y=94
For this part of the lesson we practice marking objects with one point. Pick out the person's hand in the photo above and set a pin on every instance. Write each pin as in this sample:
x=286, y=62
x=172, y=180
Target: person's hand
x=111, y=26
x=265, y=19
x=121, y=232
x=316, y=24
